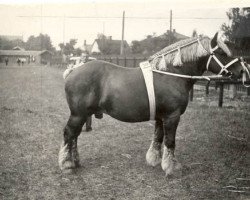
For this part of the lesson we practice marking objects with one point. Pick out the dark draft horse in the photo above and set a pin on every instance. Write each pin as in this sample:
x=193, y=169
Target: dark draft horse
x=101, y=87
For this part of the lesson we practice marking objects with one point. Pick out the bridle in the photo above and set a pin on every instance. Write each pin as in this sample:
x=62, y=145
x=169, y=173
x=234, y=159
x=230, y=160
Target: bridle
x=224, y=67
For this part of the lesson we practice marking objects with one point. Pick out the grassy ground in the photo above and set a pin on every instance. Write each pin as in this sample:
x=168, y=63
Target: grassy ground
x=212, y=145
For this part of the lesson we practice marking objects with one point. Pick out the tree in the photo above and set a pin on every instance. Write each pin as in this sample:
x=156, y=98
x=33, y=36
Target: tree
x=238, y=31
x=69, y=48
x=10, y=44
x=152, y=44
x=39, y=43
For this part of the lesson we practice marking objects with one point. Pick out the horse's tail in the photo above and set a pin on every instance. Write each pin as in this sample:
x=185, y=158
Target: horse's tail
x=66, y=73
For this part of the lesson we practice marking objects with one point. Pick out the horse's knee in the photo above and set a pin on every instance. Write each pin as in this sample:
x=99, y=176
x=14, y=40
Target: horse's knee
x=73, y=127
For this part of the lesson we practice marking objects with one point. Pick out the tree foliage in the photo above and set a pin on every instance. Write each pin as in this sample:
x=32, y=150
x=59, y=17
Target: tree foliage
x=152, y=43
x=39, y=43
x=69, y=48
x=239, y=29
x=10, y=44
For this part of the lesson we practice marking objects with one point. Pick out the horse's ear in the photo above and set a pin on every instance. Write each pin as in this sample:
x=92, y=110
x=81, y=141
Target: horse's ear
x=214, y=40
x=221, y=42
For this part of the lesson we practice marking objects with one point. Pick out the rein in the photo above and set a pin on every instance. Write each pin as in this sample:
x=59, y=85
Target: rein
x=208, y=78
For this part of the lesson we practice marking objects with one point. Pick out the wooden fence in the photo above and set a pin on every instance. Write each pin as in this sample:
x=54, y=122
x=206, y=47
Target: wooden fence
x=221, y=84
x=123, y=61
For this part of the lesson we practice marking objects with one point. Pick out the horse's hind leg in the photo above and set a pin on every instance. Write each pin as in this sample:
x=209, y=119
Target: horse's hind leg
x=68, y=154
x=153, y=156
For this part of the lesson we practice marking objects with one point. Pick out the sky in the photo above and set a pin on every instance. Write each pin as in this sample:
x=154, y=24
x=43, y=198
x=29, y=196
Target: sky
x=84, y=19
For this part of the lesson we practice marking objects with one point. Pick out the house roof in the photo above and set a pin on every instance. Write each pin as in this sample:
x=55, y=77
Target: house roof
x=18, y=48
x=87, y=47
x=114, y=45
x=177, y=35
x=22, y=53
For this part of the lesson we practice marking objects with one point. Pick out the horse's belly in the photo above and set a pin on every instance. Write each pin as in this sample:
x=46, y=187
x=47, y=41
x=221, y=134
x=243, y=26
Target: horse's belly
x=128, y=116
x=127, y=108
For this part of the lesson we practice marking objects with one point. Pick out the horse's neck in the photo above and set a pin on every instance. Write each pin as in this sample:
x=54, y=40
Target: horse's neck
x=192, y=69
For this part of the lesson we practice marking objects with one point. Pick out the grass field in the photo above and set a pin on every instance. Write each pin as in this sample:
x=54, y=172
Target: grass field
x=212, y=145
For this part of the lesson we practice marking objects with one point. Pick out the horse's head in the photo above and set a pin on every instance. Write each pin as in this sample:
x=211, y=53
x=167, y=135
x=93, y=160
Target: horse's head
x=221, y=61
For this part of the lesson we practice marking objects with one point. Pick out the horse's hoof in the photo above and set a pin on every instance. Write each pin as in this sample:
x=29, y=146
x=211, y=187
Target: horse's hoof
x=88, y=129
x=172, y=169
x=153, y=157
x=98, y=115
x=68, y=171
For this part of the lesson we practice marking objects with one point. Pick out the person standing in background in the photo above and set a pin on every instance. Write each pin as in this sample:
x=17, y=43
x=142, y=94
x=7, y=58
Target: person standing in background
x=6, y=61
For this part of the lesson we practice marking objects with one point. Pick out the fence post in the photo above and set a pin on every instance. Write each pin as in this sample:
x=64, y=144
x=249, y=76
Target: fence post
x=191, y=94
x=207, y=88
x=134, y=65
x=221, y=86
x=117, y=60
x=110, y=59
x=248, y=91
x=232, y=91
x=125, y=62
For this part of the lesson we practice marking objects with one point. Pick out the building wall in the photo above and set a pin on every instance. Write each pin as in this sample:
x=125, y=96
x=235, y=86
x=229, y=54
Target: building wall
x=95, y=48
x=45, y=58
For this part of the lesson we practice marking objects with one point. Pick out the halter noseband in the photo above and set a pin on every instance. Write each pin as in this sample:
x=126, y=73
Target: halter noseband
x=223, y=67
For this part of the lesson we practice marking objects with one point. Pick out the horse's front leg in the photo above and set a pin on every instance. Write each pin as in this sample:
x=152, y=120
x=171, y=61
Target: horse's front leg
x=153, y=156
x=68, y=154
x=169, y=163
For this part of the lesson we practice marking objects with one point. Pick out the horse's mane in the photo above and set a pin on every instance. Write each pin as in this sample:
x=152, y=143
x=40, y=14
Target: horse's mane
x=190, y=51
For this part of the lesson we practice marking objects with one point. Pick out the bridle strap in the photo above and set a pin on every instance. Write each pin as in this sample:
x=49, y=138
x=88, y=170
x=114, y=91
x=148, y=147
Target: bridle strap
x=245, y=70
x=223, y=67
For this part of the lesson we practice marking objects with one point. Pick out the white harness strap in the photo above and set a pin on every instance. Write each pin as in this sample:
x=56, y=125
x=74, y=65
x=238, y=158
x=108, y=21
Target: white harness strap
x=148, y=77
x=223, y=67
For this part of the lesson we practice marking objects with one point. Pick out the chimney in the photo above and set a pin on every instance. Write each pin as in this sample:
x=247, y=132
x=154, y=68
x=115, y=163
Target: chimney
x=85, y=42
x=173, y=30
x=110, y=37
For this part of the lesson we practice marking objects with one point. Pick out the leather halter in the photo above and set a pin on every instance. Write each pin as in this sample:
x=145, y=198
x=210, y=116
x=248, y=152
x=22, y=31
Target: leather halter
x=223, y=67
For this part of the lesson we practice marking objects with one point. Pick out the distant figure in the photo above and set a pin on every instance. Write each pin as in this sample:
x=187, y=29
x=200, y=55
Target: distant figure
x=6, y=61
x=18, y=61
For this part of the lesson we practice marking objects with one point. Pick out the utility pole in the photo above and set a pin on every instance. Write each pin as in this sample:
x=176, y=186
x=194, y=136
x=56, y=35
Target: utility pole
x=63, y=29
x=170, y=21
x=122, y=41
x=103, y=28
x=170, y=28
